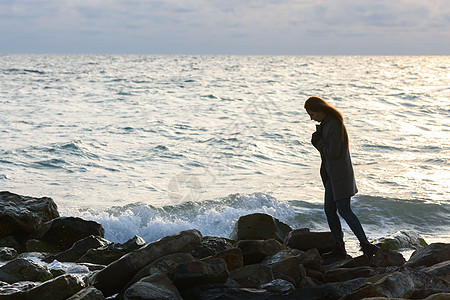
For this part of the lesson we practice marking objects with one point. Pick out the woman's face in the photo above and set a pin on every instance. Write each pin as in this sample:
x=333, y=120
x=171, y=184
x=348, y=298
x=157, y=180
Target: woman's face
x=316, y=115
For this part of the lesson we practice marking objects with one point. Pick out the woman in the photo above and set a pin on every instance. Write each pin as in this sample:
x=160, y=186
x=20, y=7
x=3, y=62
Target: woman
x=331, y=139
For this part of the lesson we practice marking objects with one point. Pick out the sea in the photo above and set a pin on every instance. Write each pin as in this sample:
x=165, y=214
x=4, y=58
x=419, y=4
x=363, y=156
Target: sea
x=151, y=145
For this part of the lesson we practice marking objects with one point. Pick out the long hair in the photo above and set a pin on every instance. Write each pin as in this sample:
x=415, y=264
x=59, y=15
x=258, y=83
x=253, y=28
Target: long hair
x=319, y=105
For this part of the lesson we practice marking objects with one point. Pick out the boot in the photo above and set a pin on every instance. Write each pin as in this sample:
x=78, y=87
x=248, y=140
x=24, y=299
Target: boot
x=369, y=250
x=337, y=253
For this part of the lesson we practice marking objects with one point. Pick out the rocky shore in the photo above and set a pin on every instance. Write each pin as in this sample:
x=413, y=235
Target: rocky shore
x=263, y=258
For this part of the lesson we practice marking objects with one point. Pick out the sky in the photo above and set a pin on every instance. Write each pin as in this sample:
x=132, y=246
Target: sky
x=241, y=27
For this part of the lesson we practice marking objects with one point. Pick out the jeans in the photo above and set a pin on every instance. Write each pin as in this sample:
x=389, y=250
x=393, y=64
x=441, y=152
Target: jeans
x=343, y=207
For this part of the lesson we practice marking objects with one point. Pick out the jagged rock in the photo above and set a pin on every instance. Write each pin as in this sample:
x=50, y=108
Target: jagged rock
x=254, y=251
x=33, y=245
x=285, y=263
x=106, y=254
x=211, y=246
x=233, y=257
x=402, y=239
x=359, y=261
x=425, y=281
x=259, y=226
x=311, y=259
x=303, y=239
x=116, y=275
x=394, y=285
x=278, y=286
x=345, y=274
x=60, y=288
x=88, y=293
x=157, y=286
x=429, y=255
x=78, y=249
x=16, y=290
x=386, y=258
x=20, y=215
x=200, y=272
x=252, y=276
x=441, y=270
x=334, y=290
x=7, y=253
x=21, y=269
x=63, y=232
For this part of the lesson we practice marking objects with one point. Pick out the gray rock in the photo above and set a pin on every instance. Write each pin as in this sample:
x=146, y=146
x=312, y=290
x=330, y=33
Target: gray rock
x=21, y=215
x=400, y=240
x=106, y=254
x=21, y=269
x=303, y=239
x=386, y=258
x=254, y=251
x=157, y=286
x=334, y=290
x=252, y=276
x=7, y=253
x=88, y=293
x=285, y=263
x=429, y=255
x=211, y=246
x=259, y=226
x=60, y=288
x=116, y=275
x=63, y=232
x=441, y=270
x=78, y=249
x=311, y=259
x=278, y=286
x=346, y=274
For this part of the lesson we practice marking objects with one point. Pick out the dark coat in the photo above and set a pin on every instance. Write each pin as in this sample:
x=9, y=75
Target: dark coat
x=336, y=163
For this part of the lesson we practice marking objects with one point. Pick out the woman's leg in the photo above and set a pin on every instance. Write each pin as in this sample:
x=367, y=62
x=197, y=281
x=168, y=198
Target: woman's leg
x=352, y=220
x=332, y=217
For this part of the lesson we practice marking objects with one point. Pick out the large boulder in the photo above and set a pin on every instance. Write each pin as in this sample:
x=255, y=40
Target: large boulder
x=21, y=269
x=430, y=255
x=345, y=274
x=7, y=253
x=402, y=239
x=211, y=246
x=78, y=249
x=106, y=254
x=60, y=288
x=254, y=251
x=259, y=226
x=21, y=215
x=303, y=239
x=156, y=286
x=63, y=232
x=441, y=270
x=332, y=290
x=285, y=265
x=252, y=276
x=88, y=293
x=233, y=258
x=116, y=275
x=387, y=258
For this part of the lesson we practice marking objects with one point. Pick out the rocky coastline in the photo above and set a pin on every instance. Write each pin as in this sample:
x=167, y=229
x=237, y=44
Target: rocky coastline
x=262, y=258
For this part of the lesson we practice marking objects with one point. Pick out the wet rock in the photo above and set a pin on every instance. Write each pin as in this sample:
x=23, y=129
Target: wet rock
x=334, y=290
x=116, y=275
x=233, y=258
x=386, y=258
x=402, y=239
x=285, y=265
x=254, y=251
x=106, y=254
x=157, y=286
x=200, y=272
x=63, y=232
x=429, y=255
x=16, y=290
x=252, y=276
x=278, y=286
x=210, y=246
x=345, y=274
x=259, y=226
x=59, y=288
x=441, y=270
x=78, y=249
x=7, y=253
x=21, y=269
x=303, y=239
x=21, y=215
x=88, y=293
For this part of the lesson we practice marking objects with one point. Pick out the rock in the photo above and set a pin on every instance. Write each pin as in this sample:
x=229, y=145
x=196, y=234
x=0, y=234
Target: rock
x=359, y=261
x=386, y=258
x=157, y=286
x=252, y=276
x=402, y=239
x=285, y=263
x=426, y=282
x=259, y=226
x=16, y=290
x=33, y=245
x=429, y=255
x=106, y=254
x=278, y=286
x=304, y=240
x=254, y=251
x=63, y=232
x=116, y=275
x=395, y=285
x=233, y=257
x=60, y=288
x=200, y=272
x=334, y=290
x=21, y=269
x=7, y=253
x=441, y=270
x=225, y=292
x=439, y=296
x=345, y=274
x=311, y=259
x=210, y=246
x=11, y=242
x=78, y=249
x=21, y=215
x=89, y=293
